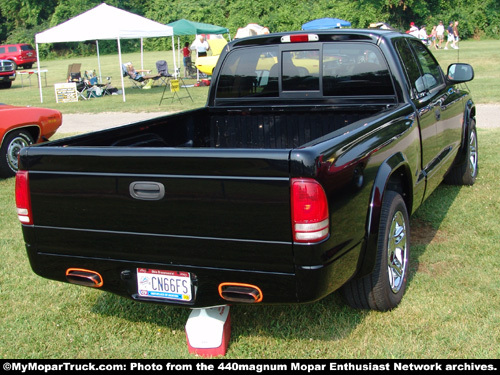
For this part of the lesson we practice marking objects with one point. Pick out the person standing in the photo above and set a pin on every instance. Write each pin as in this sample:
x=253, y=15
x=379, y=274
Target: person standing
x=422, y=34
x=186, y=58
x=200, y=45
x=413, y=30
x=434, y=37
x=440, y=33
x=455, y=36
x=451, y=37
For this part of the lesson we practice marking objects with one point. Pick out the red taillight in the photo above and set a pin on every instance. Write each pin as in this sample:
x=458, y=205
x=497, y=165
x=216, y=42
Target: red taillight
x=23, y=200
x=310, y=220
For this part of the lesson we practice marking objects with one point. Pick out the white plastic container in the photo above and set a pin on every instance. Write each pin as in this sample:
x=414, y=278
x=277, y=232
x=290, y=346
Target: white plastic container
x=208, y=331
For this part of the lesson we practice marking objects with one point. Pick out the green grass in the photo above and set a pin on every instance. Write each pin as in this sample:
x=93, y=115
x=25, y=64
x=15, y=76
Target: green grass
x=451, y=308
x=484, y=56
x=21, y=93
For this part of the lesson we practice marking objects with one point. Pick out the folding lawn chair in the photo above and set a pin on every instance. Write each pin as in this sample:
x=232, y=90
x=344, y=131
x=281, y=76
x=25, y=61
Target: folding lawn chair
x=95, y=88
x=191, y=69
x=163, y=74
x=129, y=71
x=91, y=77
x=108, y=89
x=74, y=75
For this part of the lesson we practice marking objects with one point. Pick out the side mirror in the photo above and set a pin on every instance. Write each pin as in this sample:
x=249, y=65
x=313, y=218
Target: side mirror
x=460, y=73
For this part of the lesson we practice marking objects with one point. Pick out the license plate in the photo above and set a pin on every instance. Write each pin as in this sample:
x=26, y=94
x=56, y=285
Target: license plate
x=169, y=285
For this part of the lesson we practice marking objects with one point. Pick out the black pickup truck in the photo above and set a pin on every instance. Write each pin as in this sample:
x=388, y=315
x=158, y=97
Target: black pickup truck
x=295, y=180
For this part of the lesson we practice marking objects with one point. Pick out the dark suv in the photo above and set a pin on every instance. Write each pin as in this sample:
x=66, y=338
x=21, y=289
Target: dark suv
x=7, y=73
x=20, y=54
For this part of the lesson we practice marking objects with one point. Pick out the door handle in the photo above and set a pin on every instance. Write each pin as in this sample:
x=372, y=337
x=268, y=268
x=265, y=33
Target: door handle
x=147, y=190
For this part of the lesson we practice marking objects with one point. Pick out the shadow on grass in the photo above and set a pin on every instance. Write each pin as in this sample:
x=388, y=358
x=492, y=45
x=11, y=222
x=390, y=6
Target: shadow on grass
x=425, y=225
x=328, y=319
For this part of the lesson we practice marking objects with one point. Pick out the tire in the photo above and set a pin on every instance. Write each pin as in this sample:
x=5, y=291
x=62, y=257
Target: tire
x=12, y=144
x=383, y=289
x=466, y=173
x=6, y=85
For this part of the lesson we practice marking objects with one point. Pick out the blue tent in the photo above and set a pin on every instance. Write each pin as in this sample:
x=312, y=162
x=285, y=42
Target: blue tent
x=325, y=24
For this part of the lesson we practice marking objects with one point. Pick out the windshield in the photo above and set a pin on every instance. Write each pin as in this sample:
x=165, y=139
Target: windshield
x=333, y=69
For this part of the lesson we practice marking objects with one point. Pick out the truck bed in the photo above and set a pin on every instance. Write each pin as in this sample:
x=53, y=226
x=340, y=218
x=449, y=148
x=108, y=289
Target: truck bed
x=228, y=129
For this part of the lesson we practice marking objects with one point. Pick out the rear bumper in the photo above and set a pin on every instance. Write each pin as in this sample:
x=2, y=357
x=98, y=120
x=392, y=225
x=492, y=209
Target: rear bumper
x=25, y=60
x=120, y=277
x=307, y=284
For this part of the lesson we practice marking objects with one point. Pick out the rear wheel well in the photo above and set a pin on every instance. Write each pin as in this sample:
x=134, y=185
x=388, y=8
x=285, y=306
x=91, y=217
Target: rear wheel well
x=399, y=181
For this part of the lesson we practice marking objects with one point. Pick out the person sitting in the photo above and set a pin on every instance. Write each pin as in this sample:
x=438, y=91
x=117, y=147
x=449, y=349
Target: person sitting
x=138, y=76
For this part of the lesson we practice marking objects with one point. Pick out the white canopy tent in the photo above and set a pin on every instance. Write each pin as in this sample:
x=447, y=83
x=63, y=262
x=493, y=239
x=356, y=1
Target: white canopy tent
x=103, y=22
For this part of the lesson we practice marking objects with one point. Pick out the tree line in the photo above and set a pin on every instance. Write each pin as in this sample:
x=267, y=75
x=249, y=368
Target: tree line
x=20, y=20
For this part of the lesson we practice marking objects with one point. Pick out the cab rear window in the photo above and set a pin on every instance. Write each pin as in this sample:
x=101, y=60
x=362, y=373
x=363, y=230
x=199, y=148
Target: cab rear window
x=333, y=69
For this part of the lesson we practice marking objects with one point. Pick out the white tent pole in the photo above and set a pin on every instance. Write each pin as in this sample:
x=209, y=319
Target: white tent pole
x=39, y=75
x=142, y=53
x=98, y=61
x=179, y=52
x=173, y=55
x=197, y=71
x=121, y=68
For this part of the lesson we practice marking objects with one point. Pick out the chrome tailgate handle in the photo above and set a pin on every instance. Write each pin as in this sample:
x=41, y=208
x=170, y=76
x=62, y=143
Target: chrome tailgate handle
x=147, y=190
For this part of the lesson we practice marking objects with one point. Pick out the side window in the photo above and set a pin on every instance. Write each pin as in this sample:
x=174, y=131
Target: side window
x=2, y=49
x=431, y=73
x=410, y=64
x=13, y=49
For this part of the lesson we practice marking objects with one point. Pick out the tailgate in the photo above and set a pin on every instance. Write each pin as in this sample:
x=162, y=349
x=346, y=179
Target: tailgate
x=194, y=207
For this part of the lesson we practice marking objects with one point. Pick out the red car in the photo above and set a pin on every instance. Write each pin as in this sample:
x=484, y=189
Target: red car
x=21, y=127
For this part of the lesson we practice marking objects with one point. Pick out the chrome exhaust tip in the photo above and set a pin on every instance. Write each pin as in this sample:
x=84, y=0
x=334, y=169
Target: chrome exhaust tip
x=84, y=277
x=238, y=292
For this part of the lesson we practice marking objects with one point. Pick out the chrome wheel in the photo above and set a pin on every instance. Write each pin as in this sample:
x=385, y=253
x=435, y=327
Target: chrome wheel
x=13, y=149
x=466, y=167
x=473, y=154
x=384, y=287
x=396, y=252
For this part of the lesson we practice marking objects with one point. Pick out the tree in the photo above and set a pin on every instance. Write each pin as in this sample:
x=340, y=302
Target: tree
x=20, y=20
x=20, y=16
